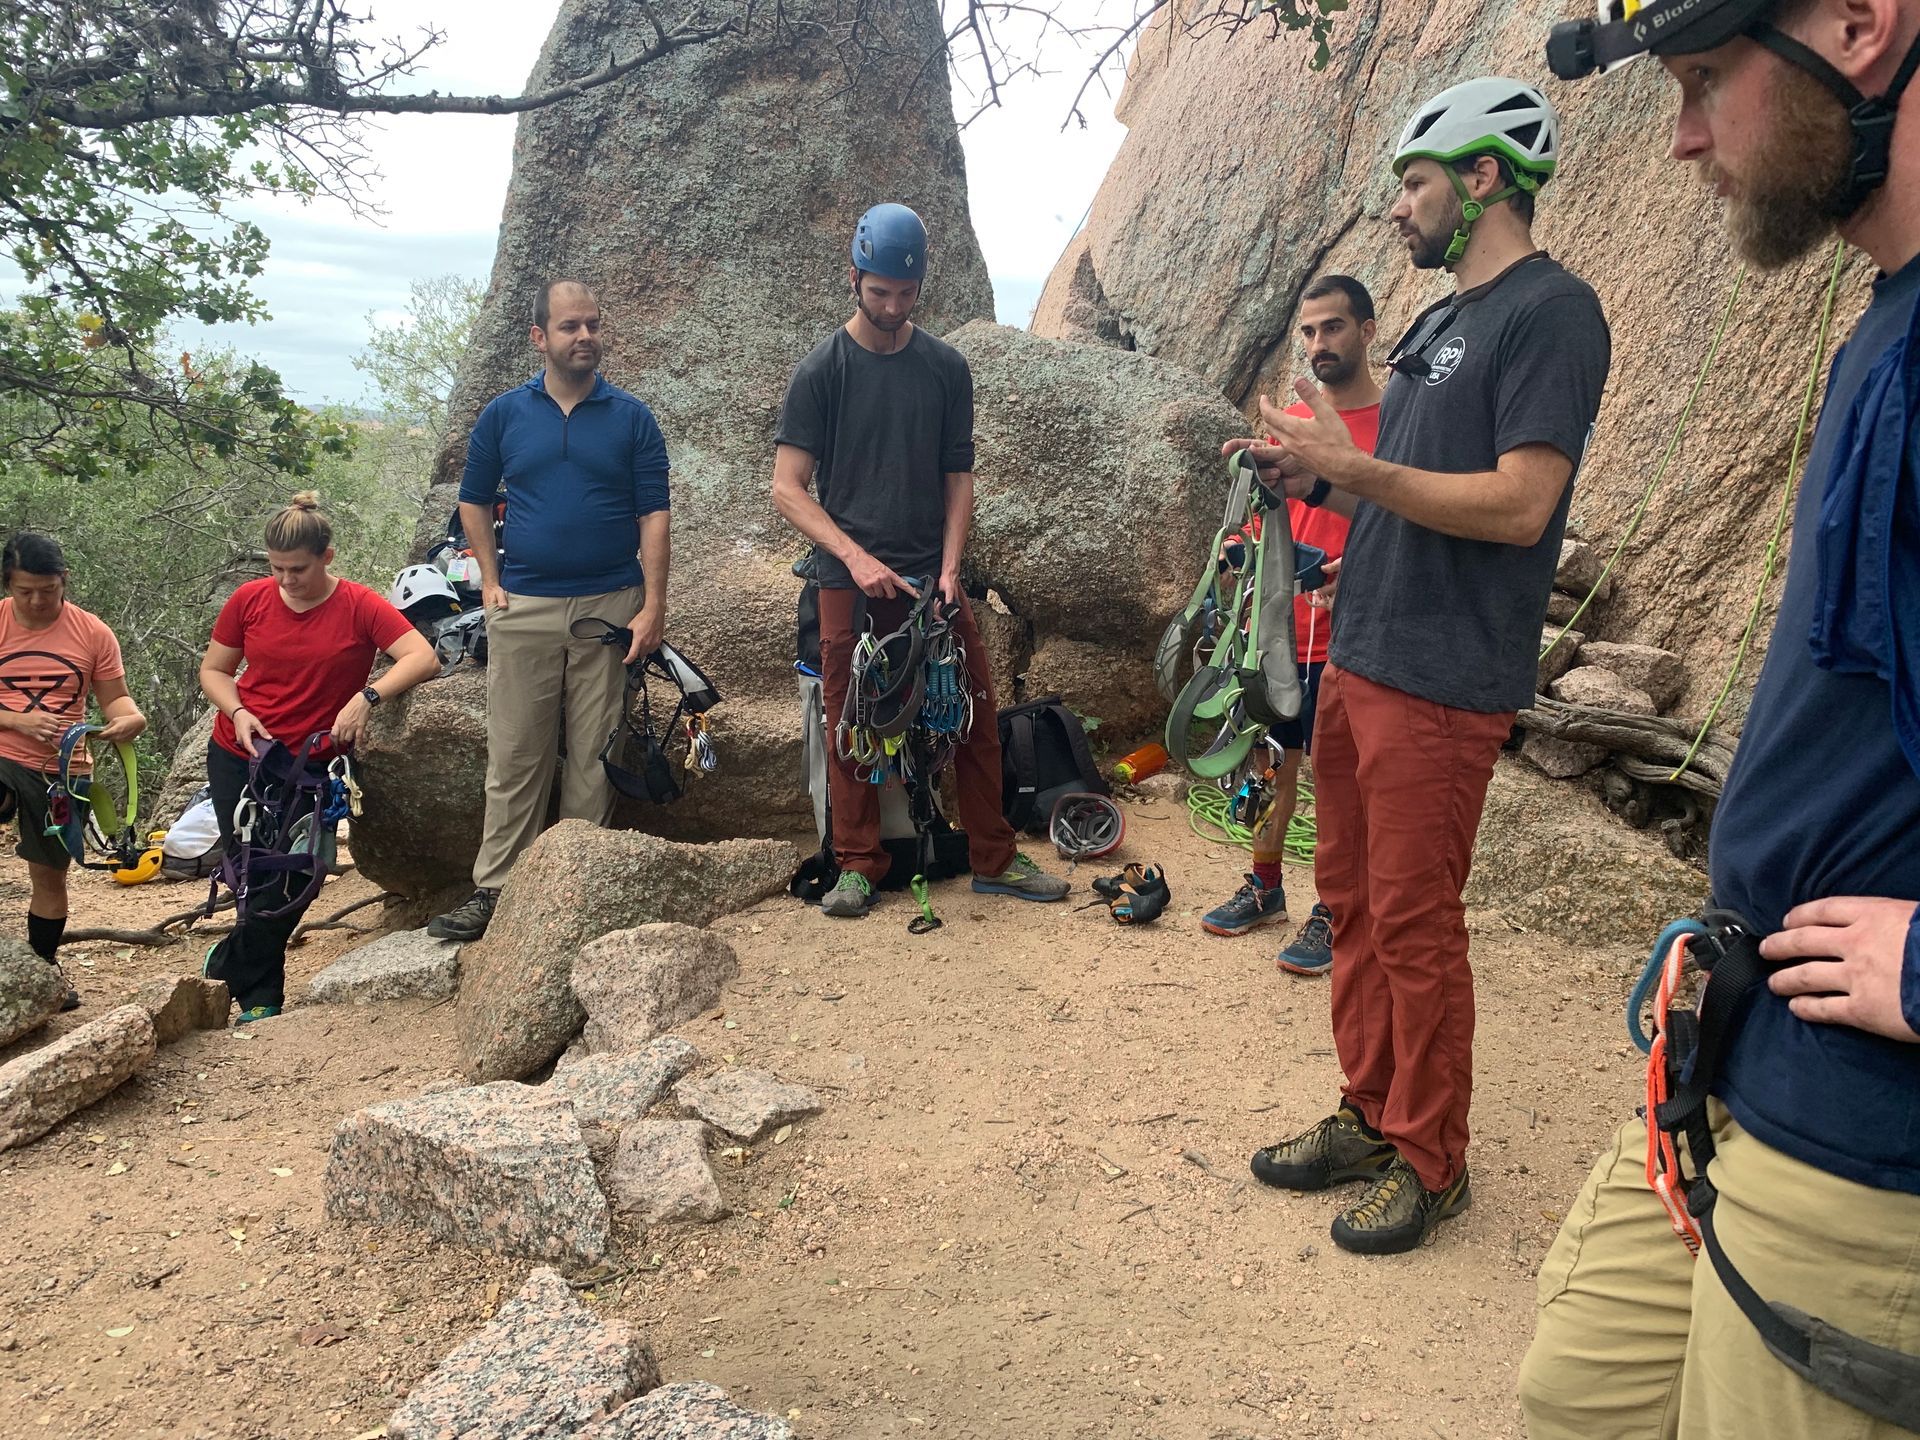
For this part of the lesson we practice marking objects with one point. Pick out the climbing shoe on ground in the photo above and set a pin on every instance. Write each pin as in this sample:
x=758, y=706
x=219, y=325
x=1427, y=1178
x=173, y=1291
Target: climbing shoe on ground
x=1311, y=952
x=850, y=897
x=256, y=1012
x=1340, y=1148
x=1252, y=905
x=72, y=999
x=1396, y=1214
x=1024, y=879
x=467, y=922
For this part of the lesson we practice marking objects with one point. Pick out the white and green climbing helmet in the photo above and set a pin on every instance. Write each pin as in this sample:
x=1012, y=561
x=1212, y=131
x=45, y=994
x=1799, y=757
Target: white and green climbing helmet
x=1491, y=115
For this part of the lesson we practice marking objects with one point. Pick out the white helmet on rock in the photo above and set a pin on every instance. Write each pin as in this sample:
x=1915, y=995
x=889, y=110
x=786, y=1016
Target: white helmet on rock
x=422, y=594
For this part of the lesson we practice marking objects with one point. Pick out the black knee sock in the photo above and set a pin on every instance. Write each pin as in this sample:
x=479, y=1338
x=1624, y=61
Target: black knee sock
x=44, y=934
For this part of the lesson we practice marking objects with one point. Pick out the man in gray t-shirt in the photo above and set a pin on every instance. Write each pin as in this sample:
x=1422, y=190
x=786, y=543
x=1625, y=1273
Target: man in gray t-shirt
x=1457, y=521
x=878, y=421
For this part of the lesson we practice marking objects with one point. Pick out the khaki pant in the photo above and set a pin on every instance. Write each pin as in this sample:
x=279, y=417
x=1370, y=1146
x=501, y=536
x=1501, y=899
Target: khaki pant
x=1637, y=1341
x=533, y=664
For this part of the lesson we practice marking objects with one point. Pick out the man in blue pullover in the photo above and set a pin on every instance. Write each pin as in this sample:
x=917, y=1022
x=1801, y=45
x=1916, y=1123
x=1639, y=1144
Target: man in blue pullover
x=1802, y=1130
x=582, y=468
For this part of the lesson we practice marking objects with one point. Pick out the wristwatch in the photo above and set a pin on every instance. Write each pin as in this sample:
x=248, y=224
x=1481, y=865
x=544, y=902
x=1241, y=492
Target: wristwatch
x=370, y=695
x=1318, y=494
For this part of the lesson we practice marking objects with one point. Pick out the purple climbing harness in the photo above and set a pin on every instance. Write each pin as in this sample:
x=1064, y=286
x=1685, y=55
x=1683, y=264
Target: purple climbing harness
x=269, y=841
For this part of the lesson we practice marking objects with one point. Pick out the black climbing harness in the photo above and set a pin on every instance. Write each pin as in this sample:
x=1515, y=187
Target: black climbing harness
x=1684, y=1060
x=284, y=825
x=657, y=780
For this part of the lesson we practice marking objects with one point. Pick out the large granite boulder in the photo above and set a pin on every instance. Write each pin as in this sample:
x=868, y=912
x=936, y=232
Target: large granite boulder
x=43, y=1087
x=516, y=1008
x=710, y=203
x=30, y=990
x=423, y=769
x=1551, y=858
x=1208, y=226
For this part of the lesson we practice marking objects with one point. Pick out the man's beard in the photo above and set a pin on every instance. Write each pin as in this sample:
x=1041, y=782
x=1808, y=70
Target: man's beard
x=1429, y=247
x=880, y=322
x=575, y=366
x=1338, y=371
x=1793, y=202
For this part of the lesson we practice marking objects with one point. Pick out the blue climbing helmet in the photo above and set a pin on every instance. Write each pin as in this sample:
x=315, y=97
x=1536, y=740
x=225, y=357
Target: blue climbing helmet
x=891, y=242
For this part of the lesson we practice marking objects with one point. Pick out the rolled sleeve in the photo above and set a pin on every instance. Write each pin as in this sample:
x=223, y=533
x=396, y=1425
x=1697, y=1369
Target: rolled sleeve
x=1910, y=976
x=956, y=431
x=649, y=465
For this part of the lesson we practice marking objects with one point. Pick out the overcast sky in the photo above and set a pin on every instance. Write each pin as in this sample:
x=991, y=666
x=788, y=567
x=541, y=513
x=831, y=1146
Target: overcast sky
x=445, y=180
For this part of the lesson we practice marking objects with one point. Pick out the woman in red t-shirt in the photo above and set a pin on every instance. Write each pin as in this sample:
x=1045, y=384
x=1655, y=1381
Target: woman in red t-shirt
x=309, y=640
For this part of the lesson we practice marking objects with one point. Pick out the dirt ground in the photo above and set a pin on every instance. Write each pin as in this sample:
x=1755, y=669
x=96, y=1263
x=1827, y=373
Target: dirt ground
x=1025, y=1212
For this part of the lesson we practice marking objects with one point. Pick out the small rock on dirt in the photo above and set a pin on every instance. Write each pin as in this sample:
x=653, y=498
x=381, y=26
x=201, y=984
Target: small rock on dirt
x=1601, y=689
x=660, y=1172
x=183, y=1003
x=639, y=983
x=1645, y=667
x=1165, y=785
x=687, y=1410
x=45, y=1086
x=609, y=1091
x=403, y=966
x=747, y=1104
x=516, y=1009
x=1561, y=607
x=544, y=1367
x=30, y=991
x=1562, y=759
x=497, y=1167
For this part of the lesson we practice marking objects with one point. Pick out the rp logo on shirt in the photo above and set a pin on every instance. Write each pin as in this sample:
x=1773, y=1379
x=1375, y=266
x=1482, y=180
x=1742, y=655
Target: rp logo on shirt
x=1447, y=359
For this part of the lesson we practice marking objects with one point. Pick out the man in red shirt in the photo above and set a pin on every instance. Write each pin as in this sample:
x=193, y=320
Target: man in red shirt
x=1336, y=326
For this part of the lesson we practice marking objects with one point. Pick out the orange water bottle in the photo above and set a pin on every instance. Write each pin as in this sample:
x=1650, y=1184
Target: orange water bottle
x=1147, y=760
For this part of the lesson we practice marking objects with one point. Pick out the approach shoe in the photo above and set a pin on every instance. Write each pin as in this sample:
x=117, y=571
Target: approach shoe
x=1024, y=880
x=469, y=920
x=1252, y=905
x=1340, y=1148
x=256, y=1012
x=1396, y=1214
x=1311, y=952
x=850, y=897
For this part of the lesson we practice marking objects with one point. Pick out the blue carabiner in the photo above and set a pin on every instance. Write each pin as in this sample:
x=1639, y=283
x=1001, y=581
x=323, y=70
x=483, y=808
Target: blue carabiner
x=1649, y=980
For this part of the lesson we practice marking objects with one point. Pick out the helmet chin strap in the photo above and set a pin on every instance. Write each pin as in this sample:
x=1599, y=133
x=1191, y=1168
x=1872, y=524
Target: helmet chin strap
x=1871, y=120
x=1472, y=209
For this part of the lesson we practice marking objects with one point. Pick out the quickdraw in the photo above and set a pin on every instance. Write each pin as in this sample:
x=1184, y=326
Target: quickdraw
x=655, y=780
x=83, y=811
x=908, y=703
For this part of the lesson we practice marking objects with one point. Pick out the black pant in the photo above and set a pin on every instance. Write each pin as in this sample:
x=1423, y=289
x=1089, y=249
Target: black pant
x=252, y=959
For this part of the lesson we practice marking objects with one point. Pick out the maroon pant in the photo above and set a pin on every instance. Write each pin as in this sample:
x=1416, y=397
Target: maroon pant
x=1399, y=783
x=976, y=764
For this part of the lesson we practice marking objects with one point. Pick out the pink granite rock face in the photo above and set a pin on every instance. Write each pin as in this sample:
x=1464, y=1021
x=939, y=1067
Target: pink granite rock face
x=542, y=1369
x=610, y=1091
x=45, y=1086
x=497, y=1167
x=660, y=1172
x=686, y=1410
x=639, y=983
x=181, y=1004
x=747, y=1104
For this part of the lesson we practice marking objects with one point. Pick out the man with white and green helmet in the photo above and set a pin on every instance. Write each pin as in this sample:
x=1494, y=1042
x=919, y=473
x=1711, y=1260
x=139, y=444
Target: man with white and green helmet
x=1457, y=522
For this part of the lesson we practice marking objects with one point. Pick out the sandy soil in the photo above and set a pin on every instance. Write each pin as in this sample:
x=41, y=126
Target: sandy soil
x=1025, y=1211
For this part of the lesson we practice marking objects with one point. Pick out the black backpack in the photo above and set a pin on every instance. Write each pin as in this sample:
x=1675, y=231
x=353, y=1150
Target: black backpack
x=1043, y=755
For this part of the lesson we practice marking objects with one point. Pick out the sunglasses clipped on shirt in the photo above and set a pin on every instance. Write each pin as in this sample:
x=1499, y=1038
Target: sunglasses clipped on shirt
x=1409, y=357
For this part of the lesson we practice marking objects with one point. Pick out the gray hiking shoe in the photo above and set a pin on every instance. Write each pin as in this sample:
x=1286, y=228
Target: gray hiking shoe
x=850, y=898
x=1340, y=1148
x=1025, y=880
x=1397, y=1214
x=469, y=920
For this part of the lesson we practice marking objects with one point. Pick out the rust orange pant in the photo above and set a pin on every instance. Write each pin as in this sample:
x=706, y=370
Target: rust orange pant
x=1398, y=787
x=976, y=764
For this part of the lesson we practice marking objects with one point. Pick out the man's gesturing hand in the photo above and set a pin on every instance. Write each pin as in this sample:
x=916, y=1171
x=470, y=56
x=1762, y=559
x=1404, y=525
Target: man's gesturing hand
x=1854, y=948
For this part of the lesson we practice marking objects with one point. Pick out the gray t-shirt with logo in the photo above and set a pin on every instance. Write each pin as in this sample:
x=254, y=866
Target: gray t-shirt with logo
x=1455, y=621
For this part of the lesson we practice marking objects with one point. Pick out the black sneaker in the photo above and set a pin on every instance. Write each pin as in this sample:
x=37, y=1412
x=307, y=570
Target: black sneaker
x=1311, y=951
x=1396, y=1215
x=467, y=922
x=1340, y=1148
